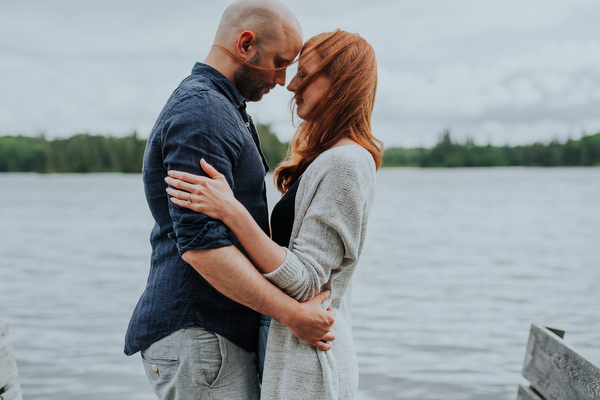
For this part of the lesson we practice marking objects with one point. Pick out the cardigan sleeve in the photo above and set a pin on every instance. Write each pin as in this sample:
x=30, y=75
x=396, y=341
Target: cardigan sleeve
x=333, y=206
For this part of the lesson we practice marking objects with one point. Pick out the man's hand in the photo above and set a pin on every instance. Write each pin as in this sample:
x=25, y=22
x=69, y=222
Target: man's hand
x=312, y=323
x=230, y=272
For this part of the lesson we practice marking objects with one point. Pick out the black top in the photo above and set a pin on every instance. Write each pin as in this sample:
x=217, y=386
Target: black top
x=282, y=217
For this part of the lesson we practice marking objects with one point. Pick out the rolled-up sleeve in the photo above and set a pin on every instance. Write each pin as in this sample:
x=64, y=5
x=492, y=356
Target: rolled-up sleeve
x=200, y=126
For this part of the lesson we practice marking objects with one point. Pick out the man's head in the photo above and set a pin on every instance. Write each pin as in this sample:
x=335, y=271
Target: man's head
x=255, y=41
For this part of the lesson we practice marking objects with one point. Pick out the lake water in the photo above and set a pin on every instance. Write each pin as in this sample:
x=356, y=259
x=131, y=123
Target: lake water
x=458, y=263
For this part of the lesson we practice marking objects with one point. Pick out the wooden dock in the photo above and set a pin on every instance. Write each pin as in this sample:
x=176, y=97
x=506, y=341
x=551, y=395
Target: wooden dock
x=555, y=370
x=9, y=390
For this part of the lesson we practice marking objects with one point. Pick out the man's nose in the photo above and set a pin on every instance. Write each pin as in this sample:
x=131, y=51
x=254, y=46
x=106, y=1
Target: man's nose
x=280, y=77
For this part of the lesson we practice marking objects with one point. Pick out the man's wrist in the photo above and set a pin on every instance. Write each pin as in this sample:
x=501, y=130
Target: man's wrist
x=287, y=312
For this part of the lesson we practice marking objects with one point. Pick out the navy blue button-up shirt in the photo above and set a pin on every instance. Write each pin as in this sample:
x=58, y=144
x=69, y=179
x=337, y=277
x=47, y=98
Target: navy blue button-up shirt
x=205, y=117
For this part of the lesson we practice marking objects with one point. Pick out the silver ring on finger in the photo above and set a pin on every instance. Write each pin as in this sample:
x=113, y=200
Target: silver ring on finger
x=189, y=201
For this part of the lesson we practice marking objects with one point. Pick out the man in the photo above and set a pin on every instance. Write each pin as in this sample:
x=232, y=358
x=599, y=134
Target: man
x=196, y=322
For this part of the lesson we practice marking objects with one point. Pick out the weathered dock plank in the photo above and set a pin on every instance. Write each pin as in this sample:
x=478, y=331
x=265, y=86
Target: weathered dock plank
x=12, y=392
x=556, y=371
x=526, y=393
x=8, y=368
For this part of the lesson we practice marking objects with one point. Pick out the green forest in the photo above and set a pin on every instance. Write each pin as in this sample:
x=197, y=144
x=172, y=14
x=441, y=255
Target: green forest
x=96, y=153
x=448, y=153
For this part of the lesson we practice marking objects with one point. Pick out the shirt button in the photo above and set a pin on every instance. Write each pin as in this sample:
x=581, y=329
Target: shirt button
x=154, y=368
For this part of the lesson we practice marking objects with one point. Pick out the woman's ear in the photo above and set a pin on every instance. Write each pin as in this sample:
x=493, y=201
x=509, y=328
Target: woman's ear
x=245, y=44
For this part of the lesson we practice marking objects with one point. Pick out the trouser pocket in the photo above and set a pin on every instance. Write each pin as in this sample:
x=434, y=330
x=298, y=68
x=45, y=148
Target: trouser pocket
x=194, y=363
x=209, y=355
x=161, y=364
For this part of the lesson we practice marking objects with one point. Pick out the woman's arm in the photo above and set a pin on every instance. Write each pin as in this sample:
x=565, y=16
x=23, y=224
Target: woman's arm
x=214, y=198
x=332, y=208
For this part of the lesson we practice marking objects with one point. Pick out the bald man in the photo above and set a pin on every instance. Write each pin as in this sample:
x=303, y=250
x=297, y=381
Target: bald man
x=196, y=322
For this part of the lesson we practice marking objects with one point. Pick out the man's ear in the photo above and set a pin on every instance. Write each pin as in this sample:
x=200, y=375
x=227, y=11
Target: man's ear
x=245, y=44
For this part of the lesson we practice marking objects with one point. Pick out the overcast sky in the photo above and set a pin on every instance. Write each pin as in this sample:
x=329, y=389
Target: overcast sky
x=511, y=71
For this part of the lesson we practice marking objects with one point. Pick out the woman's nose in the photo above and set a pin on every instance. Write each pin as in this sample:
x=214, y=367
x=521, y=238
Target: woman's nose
x=292, y=86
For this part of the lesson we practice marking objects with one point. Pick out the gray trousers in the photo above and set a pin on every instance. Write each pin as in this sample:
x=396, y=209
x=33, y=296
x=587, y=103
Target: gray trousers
x=196, y=364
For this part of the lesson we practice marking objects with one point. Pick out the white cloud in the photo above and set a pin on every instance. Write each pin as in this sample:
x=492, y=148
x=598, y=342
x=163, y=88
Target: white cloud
x=477, y=67
x=553, y=77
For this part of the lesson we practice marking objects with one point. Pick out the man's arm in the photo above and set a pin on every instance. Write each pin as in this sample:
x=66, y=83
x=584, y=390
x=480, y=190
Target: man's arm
x=230, y=272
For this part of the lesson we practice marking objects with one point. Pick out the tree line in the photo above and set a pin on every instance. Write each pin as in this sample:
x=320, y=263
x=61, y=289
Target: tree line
x=448, y=153
x=95, y=153
x=79, y=153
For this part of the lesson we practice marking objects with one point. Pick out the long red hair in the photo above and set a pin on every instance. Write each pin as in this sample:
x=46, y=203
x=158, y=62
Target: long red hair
x=348, y=61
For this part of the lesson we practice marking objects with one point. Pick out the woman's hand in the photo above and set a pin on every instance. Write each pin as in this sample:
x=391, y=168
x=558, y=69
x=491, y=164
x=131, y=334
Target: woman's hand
x=210, y=196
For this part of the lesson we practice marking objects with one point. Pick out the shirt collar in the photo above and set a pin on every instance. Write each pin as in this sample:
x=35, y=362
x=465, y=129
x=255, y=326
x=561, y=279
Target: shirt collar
x=222, y=82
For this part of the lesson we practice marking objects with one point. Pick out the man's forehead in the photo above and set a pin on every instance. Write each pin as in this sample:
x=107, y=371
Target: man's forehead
x=290, y=48
x=285, y=50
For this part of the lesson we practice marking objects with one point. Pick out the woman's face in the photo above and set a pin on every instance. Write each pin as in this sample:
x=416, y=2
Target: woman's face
x=311, y=95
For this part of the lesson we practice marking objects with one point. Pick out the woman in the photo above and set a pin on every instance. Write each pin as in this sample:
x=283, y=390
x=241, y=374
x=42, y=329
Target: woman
x=319, y=225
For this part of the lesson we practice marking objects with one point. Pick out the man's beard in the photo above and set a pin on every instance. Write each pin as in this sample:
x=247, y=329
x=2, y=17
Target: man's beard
x=249, y=81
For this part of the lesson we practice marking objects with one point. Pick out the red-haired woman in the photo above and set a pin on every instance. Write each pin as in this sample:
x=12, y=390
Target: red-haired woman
x=319, y=225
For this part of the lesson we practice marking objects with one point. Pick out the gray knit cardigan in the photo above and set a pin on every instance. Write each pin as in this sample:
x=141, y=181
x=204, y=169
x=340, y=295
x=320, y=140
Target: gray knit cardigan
x=332, y=207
